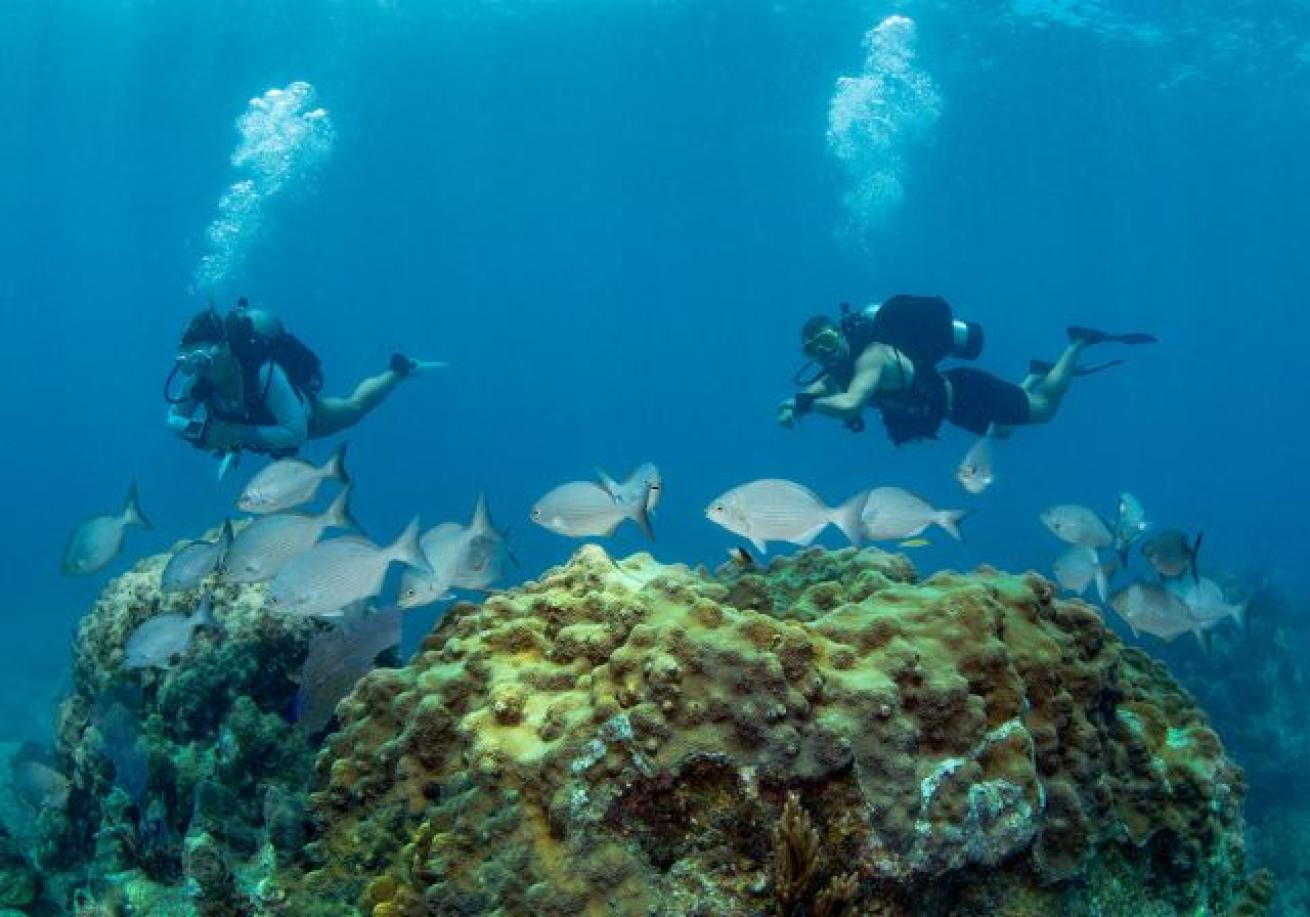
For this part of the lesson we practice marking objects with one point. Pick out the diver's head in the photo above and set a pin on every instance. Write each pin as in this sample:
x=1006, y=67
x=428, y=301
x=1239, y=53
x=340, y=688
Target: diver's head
x=203, y=350
x=822, y=340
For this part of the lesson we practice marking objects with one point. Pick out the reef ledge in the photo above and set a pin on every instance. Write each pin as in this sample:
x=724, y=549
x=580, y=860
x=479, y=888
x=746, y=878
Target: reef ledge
x=828, y=735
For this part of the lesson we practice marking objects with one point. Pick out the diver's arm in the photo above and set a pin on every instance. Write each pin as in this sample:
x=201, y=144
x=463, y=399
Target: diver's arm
x=787, y=411
x=848, y=405
x=292, y=421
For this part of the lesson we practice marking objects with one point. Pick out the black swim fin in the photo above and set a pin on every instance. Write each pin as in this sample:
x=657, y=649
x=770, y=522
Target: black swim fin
x=1092, y=336
x=1041, y=367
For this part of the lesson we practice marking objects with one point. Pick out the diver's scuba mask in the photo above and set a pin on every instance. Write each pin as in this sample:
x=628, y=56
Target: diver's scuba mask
x=820, y=347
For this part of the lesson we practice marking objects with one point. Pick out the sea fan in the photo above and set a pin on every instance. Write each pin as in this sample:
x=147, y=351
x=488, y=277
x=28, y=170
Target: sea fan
x=337, y=659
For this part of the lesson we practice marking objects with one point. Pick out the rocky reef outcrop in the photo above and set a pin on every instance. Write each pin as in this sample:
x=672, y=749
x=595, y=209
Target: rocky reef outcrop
x=826, y=736
x=187, y=783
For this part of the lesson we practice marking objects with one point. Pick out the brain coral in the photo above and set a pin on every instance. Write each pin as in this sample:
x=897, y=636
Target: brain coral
x=825, y=736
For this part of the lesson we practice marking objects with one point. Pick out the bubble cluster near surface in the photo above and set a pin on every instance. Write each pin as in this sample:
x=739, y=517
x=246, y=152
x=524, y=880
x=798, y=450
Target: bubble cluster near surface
x=874, y=117
x=285, y=140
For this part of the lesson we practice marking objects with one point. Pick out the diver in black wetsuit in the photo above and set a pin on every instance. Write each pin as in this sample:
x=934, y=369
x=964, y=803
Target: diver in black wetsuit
x=886, y=357
x=241, y=382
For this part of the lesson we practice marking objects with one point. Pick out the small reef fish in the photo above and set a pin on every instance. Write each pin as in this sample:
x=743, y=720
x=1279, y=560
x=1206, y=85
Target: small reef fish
x=914, y=543
x=461, y=557
x=35, y=782
x=188, y=568
x=487, y=550
x=581, y=509
x=742, y=558
x=1077, y=525
x=270, y=542
x=442, y=546
x=644, y=480
x=337, y=659
x=894, y=512
x=1208, y=602
x=776, y=510
x=290, y=482
x=159, y=640
x=1129, y=524
x=1080, y=566
x=334, y=574
x=1151, y=608
x=975, y=470
x=97, y=541
x=1172, y=553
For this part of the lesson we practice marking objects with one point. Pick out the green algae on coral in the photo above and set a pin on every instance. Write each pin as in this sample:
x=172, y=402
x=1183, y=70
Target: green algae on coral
x=618, y=738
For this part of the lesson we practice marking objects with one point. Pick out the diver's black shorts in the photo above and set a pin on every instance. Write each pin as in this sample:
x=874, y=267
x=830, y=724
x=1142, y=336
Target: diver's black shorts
x=980, y=399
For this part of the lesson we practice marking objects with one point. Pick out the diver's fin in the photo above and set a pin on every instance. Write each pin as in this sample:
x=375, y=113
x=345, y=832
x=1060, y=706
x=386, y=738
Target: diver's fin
x=1042, y=367
x=1093, y=336
x=405, y=366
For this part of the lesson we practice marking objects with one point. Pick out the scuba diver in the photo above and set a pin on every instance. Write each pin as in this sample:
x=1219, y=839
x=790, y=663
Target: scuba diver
x=886, y=357
x=241, y=382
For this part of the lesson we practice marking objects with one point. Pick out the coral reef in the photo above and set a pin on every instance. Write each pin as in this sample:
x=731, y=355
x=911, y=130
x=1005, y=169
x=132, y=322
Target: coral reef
x=1252, y=683
x=828, y=735
x=187, y=782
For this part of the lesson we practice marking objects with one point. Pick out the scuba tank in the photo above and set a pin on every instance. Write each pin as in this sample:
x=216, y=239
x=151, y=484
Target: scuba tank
x=892, y=320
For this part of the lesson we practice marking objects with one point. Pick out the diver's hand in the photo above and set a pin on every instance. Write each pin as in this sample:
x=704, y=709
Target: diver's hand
x=787, y=413
x=221, y=437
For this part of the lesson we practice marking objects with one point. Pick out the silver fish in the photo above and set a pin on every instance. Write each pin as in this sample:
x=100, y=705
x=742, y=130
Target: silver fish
x=38, y=784
x=290, y=482
x=469, y=556
x=443, y=547
x=893, y=513
x=157, y=641
x=1151, y=608
x=645, y=479
x=581, y=509
x=188, y=568
x=270, y=542
x=487, y=550
x=1171, y=553
x=1077, y=525
x=975, y=470
x=775, y=510
x=334, y=574
x=97, y=541
x=1208, y=602
x=1129, y=523
x=1080, y=566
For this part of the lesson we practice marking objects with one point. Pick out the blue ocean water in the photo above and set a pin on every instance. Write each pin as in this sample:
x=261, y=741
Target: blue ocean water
x=612, y=217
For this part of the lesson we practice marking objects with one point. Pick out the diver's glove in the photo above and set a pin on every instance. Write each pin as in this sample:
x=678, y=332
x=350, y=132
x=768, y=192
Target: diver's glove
x=803, y=403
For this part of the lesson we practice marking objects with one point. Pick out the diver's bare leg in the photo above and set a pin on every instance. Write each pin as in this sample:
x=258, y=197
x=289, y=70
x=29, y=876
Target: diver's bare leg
x=333, y=414
x=1046, y=393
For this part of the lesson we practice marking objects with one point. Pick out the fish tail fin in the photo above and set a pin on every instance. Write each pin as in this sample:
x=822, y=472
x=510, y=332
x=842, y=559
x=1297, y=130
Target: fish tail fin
x=1239, y=615
x=132, y=510
x=338, y=515
x=949, y=520
x=641, y=515
x=847, y=517
x=1203, y=637
x=336, y=465
x=407, y=550
x=1196, y=549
